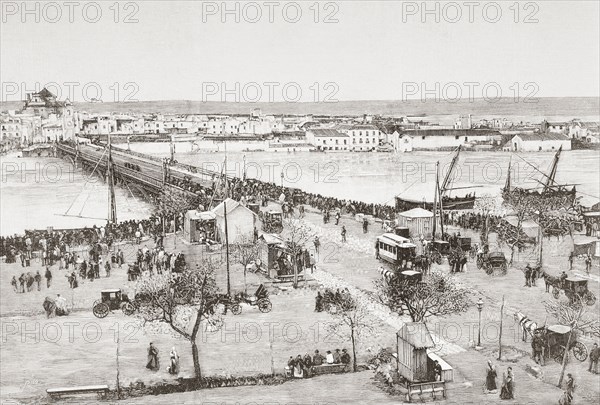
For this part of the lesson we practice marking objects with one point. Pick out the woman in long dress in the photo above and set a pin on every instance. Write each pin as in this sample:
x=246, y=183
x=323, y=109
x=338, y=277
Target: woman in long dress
x=174, y=367
x=507, y=386
x=490, y=379
x=153, y=362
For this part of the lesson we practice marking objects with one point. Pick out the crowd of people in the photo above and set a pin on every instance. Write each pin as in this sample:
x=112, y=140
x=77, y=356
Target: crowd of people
x=304, y=367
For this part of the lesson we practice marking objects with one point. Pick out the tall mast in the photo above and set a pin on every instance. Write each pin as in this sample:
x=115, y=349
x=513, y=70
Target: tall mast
x=507, y=184
x=550, y=180
x=112, y=211
x=449, y=173
x=435, y=195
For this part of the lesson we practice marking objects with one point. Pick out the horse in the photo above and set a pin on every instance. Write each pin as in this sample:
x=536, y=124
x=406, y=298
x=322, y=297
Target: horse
x=526, y=324
x=550, y=280
x=50, y=307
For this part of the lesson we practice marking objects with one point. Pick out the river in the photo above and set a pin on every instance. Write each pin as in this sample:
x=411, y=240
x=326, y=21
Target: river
x=36, y=192
x=378, y=177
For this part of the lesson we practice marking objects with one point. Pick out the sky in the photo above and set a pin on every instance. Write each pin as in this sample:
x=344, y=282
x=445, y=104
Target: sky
x=300, y=51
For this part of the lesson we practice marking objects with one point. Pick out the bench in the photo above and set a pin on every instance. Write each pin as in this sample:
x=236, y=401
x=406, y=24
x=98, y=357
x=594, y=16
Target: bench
x=102, y=390
x=290, y=278
x=330, y=369
x=428, y=388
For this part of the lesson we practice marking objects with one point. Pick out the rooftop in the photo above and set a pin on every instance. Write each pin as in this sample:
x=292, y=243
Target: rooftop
x=327, y=132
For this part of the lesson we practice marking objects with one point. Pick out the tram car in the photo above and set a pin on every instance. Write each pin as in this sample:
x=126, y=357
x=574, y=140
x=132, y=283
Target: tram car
x=394, y=249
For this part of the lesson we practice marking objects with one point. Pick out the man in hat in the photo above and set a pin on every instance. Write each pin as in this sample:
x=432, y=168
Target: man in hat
x=527, y=276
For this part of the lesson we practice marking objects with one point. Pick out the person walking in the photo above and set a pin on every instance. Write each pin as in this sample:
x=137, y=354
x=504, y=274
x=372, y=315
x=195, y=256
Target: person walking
x=594, y=355
x=365, y=225
x=343, y=233
x=527, y=276
x=571, y=257
x=569, y=389
x=107, y=268
x=588, y=263
x=317, y=244
x=507, y=391
x=48, y=277
x=490, y=379
x=38, y=280
x=153, y=361
x=174, y=366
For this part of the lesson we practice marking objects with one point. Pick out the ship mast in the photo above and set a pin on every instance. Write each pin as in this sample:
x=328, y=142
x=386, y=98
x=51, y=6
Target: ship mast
x=550, y=181
x=435, y=195
x=444, y=186
x=507, y=184
x=112, y=211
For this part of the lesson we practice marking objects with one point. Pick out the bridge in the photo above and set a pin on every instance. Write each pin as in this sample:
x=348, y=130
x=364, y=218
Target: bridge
x=145, y=172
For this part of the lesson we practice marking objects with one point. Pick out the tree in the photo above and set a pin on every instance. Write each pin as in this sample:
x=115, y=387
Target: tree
x=246, y=252
x=488, y=205
x=438, y=295
x=181, y=301
x=575, y=315
x=513, y=235
x=350, y=314
x=298, y=235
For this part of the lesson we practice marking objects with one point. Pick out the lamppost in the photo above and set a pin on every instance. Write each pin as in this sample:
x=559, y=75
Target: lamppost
x=479, y=308
x=282, y=179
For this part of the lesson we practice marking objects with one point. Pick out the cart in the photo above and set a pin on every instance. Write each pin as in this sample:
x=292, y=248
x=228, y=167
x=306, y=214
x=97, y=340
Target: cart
x=111, y=300
x=259, y=299
x=491, y=262
x=556, y=338
x=438, y=249
x=272, y=222
x=575, y=287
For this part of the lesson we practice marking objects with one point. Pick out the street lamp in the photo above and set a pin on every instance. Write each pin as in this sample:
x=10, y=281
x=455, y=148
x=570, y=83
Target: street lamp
x=282, y=179
x=479, y=308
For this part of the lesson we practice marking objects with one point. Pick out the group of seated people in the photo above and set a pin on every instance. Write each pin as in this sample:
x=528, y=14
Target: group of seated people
x=304, y=367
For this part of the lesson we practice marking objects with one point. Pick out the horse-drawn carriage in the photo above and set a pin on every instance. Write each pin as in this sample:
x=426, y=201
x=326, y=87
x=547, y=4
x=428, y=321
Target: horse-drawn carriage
x=437, y=249
x=259, y=299
x=491, y=262
x=555, y=339
x=574, y=287
x=110, y=300
x=272, y=222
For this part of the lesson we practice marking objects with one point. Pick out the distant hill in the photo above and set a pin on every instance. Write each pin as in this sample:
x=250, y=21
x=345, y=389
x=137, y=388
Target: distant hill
x=550, y=108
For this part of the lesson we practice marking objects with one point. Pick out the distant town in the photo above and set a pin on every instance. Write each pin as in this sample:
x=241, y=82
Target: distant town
x=44, y=119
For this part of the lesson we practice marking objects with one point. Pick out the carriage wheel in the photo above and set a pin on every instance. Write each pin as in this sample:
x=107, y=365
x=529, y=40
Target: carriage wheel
x=100, y=310
x=560, y=353
x=236, y=309
x=555, y=292
x=128, y=308
x=479, y=263
x=590, y=298
x=580, y=351
x=264, y=305
x=504, y=268
x=436, y=257
x=489, y=269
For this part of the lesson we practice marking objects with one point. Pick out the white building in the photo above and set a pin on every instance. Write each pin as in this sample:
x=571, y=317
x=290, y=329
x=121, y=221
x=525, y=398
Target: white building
x=241, y=221
x=362, y=137
x=328, y=139
x=539, y=142
x=586, y=131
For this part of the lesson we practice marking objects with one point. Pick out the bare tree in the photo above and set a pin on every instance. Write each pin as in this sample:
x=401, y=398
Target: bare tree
x=514, y=235
x=180, y=300
x=298, y=235
x=438, y=295
x=246, y=251
x=350, y=314
x=488, y=205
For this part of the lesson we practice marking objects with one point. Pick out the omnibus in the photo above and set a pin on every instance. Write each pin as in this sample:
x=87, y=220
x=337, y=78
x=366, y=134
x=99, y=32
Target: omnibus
x=394, y=249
